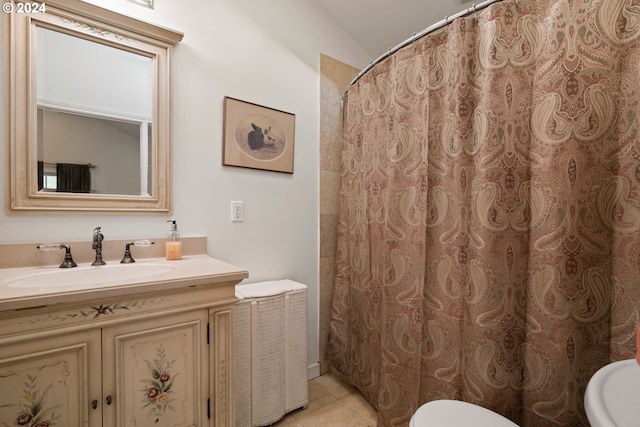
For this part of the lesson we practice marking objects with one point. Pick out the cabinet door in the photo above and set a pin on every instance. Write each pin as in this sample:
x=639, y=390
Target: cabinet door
x=155, y=372
x=51, y=381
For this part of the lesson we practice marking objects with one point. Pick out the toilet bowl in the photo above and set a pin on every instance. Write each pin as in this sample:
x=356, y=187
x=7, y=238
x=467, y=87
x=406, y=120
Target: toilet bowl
x=611, y=398
x=454, y=413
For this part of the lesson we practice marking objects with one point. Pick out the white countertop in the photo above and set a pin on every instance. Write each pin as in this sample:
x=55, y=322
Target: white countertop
x=194, y=270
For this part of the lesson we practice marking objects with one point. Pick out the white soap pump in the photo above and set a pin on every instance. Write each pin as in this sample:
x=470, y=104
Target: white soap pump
x=174, y=245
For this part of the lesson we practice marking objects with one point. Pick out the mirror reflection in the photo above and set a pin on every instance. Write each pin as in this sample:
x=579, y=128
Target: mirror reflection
x=94, y=117
x=88, y=105
x=99, y=155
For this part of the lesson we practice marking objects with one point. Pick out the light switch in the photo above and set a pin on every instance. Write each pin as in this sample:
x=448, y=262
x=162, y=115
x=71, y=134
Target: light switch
x=237, y=211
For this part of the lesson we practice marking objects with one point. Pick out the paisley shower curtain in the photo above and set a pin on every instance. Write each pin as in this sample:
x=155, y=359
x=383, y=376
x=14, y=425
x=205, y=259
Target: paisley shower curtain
x=489, y=231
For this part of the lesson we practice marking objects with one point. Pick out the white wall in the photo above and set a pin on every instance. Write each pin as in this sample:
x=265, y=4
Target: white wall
x=265, y=52
x=68, y=68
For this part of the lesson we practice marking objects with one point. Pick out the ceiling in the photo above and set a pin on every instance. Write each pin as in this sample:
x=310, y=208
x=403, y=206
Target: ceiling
x=378, y=25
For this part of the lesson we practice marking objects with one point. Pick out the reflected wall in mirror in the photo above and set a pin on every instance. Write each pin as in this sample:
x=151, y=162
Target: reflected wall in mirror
x=89, y=124
x=115, y=152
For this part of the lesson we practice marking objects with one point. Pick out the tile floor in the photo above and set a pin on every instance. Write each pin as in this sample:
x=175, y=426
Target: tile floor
x=332, y=403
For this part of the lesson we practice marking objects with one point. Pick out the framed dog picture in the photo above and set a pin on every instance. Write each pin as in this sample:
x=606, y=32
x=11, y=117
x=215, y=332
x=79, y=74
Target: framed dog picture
x=257, y=137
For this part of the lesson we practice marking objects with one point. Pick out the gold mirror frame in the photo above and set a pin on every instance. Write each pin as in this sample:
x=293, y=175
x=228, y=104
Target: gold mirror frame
x=93, y=23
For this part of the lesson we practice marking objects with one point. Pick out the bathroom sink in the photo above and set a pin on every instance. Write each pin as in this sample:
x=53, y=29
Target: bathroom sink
x=611, y=398
x=83, y=276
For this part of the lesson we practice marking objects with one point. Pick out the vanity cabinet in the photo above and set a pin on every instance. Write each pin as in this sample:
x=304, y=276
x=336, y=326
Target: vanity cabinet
x=158, y=358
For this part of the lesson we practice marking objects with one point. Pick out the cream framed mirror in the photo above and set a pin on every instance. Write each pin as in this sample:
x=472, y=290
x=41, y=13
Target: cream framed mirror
x=87, y=110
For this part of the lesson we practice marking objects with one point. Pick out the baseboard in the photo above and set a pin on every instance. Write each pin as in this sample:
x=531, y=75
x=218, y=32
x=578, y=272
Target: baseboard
x=313, y=371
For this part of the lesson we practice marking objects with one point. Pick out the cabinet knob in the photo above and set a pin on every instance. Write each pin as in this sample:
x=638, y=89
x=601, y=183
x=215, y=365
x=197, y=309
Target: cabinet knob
x=94, y=404
x=108, y=400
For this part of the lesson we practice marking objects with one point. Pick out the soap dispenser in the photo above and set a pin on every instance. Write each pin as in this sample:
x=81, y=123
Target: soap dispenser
x=174, y=245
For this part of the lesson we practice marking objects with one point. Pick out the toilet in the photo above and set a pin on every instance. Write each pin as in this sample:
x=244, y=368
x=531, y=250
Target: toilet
x=455, y=413
x=611, y=398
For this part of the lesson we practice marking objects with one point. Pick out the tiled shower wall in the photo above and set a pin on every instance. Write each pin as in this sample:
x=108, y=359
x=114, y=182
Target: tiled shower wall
x=334, y=78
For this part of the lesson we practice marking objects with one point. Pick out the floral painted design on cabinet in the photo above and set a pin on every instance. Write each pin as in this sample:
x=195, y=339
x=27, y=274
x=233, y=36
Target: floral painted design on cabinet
x=157, y=392
x=33, y=410
x=43, y=388
x=157, y=372
x=95, y=312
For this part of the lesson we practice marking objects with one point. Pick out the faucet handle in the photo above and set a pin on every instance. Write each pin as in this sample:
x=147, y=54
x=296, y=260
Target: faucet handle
x=127, y=258
x=49, y=246
x=143, y=243
x=68, y=260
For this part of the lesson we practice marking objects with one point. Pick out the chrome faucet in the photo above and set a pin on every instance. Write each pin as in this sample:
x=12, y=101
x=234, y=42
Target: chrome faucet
x=97, y=245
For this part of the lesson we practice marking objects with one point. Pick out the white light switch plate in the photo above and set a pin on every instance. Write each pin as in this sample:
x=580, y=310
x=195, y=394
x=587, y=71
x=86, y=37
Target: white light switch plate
x=237, y=211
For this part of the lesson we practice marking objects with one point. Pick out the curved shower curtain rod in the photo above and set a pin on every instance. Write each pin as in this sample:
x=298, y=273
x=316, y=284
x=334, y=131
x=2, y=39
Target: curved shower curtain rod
x=416, y=36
